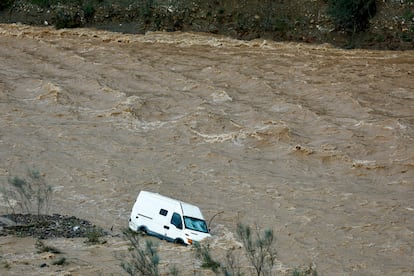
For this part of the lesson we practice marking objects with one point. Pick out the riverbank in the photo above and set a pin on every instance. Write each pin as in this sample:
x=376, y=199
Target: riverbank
x=392, y=28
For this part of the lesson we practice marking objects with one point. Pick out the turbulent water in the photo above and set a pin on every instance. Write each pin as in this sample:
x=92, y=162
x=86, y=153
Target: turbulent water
x=314, y=142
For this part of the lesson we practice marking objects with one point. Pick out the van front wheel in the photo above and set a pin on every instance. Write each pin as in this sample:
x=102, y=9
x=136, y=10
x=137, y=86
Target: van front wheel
x=179, y=241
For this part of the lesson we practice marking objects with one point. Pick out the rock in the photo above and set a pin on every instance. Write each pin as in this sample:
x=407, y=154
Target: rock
x=6, y=222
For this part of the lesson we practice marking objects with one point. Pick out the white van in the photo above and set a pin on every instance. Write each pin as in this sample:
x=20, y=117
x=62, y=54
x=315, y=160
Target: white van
x=168, y=219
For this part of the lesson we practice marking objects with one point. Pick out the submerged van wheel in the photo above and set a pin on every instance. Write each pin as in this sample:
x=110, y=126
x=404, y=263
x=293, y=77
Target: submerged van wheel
x=142, y=230
x=179, y=241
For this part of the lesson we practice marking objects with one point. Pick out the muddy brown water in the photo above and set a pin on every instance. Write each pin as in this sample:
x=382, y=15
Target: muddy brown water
x=314, y=142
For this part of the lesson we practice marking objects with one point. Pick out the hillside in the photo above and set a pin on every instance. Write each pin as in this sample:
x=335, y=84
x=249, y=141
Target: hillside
x=308, y=21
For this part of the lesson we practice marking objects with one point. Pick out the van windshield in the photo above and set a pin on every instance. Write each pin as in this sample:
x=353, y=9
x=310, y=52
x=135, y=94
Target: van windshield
x=195, y=224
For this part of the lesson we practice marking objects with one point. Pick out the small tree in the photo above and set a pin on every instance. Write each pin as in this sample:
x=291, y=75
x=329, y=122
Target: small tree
x=352, y=15
x=207, y=261
x=259, y=249
x=4, y=4
x=230, y=267
x=144, y=259
x=232, y=264
x=28, y=195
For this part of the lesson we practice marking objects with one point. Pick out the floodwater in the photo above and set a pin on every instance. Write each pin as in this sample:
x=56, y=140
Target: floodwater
x=314, y=142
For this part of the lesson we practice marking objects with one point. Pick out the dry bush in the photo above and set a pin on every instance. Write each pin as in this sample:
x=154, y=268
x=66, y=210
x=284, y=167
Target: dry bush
x=28, y=195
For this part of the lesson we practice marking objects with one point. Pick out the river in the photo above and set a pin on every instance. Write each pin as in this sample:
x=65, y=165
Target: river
x=311, y=141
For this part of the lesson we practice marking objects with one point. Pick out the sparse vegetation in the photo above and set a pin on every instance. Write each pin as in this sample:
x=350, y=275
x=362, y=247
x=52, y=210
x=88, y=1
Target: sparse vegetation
x=352, y=15
x=42, y=3
x=174, y=271
x=60, y=261
x=309, y=271
x=5, y=264
x=94, y=235
x=207, y=261
x=41, y=248
x=143, y=259
x=259, y=248
x=27, y=195
x=230, y=267
x=48, y=3
x=4, y=4
x=88, y=11
x=67, y=20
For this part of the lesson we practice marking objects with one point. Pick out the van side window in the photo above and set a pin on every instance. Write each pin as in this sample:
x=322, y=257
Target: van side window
x=176, y=220
x=163, y=212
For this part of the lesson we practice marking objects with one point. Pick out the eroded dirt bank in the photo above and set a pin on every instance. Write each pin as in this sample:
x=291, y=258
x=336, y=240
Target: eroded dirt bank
x=309, y=21
x=311, y=141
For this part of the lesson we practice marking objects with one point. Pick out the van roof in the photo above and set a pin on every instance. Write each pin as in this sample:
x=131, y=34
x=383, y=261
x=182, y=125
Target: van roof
x=189, y=210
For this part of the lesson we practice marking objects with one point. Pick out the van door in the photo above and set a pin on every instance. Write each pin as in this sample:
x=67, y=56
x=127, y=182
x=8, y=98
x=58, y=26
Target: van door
x=163, y=221
x=175, y=230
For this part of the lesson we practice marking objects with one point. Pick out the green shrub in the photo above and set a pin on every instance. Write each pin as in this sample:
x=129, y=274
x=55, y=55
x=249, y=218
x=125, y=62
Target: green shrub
x=66, y=20
x=48, y=3
x=352, y=15
x=310, y=271
x=42, y=3
x=143, y=259
x=5, y=265
x=408, y=15
x=231, y=266
x=89, y=11
x=4, y=4
x=407, y=36
x=60, y=261
x=207, y=261
x=147, y=7
x=258, y=247
x=93, y=236
x=260, y=250
x=379, y=38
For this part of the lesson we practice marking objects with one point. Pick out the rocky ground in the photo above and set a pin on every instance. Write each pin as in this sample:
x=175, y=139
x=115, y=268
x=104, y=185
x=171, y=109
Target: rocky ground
x=302, y=21
x=48, y=226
